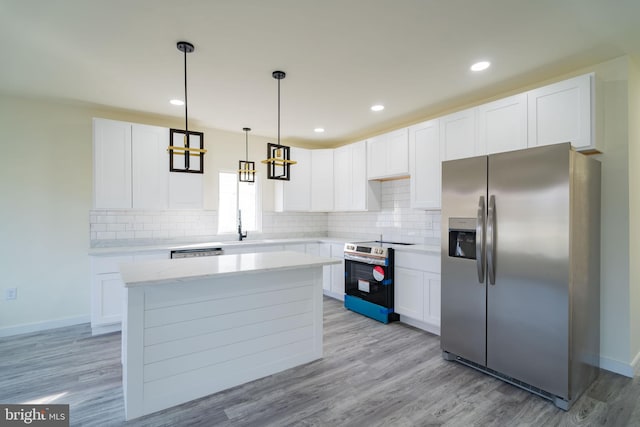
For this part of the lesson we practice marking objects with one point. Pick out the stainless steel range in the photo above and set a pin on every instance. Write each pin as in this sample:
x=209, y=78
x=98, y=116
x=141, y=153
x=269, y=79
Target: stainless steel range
x=368, y=280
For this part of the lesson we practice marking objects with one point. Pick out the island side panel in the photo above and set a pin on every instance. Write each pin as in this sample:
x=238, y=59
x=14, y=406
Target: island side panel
x=132, y=352
x=204, y=336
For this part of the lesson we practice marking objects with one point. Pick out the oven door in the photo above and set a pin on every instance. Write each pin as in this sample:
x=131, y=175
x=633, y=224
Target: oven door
x=370, y=282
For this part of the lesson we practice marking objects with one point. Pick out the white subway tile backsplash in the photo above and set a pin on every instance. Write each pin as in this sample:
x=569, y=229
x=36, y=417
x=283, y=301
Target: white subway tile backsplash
x=396, y=221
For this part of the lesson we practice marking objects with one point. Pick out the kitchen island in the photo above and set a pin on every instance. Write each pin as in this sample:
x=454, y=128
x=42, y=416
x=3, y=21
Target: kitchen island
x=196, y=326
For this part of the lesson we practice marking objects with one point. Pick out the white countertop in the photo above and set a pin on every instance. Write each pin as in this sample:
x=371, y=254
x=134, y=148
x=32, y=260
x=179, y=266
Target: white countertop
x=123, y=250
x=177, y=270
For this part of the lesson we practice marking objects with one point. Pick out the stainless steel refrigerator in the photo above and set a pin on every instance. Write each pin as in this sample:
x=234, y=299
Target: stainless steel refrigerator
x=521, y=268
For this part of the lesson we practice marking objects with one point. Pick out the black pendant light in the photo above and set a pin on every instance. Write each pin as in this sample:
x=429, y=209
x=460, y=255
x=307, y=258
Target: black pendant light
x=246, y=169
x=180, y=156
x=278, y=156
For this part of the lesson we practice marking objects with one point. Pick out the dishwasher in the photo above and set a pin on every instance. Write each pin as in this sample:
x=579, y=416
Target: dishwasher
x=193, y=253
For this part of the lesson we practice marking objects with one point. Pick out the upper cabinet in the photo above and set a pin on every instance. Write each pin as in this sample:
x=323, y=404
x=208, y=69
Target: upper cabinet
x=322, y=180
x=111, y=164
x=131, y=169
x=458, y=135
x=352, y=190
x=388, y=155
x=563, y=112
x=150, y=170
x=294, y=195
x=424, y=155
x=502, y=125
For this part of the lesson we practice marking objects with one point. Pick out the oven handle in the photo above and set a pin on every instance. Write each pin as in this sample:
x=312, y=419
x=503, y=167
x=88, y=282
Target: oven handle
x=365, y=260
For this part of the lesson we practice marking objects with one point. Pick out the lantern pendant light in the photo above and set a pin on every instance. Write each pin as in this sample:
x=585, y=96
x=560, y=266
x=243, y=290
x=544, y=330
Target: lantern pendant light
x=278, y=156
x=188, y=157
x=246, y=169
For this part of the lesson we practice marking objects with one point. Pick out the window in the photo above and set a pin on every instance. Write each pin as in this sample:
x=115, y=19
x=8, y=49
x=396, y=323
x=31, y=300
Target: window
x=233, y=195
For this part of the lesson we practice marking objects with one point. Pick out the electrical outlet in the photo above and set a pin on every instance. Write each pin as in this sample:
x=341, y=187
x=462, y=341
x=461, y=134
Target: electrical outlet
x=11, y=293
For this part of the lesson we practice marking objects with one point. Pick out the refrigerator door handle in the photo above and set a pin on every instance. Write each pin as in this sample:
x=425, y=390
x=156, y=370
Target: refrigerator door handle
x=491, y=241
x=480, y=241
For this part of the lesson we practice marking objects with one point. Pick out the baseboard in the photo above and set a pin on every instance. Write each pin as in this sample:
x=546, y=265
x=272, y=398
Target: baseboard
x=43, y=326
x=333, y=295
x=618, y=367
x=428, y=327
x=635, y=365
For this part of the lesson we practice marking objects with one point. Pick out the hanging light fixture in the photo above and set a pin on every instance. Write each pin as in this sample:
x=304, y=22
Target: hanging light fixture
x=278, y=156
x=186, y=148
x=246, y=169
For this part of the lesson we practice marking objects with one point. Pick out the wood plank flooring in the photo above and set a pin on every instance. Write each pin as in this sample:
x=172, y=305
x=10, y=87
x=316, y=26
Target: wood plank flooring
x=371, y=375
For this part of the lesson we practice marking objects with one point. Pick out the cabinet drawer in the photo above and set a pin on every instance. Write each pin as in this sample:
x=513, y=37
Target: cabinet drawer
x=108, y=264
x=417, y=261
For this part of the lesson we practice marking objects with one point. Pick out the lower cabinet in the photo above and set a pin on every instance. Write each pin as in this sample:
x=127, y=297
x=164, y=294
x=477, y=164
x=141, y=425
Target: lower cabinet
x=417, y=293
x=107, y=289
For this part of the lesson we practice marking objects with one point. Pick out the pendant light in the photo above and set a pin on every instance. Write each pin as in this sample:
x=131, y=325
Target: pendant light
x=188, y=157
x=278, y=156
x=246, y=169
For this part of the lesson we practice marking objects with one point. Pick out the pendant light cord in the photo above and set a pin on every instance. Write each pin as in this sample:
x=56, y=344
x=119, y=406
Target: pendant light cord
x=186, y=112
x=278, y=111
x=246, y=145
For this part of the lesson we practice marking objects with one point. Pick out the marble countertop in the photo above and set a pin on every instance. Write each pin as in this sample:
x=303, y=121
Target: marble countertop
x=178, y=270
x=123, y=250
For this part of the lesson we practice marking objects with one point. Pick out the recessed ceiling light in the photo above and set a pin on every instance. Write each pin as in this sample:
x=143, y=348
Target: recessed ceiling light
x=176, y=102
x=377, y=107
x=318, y=130
x=479, y=66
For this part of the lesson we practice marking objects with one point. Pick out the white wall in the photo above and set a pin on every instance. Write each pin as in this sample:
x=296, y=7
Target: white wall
x=634, y=208
x=614, y=302
x=45, y=183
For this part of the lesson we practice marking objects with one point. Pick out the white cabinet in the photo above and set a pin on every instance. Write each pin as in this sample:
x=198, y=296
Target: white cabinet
x=425, y=169
x=294, y=195
x=150, y=166
x=333, y=275
x=417, y=290
x=352, y=190
x=502, y=125
x=458, y=135
x=107, y=289
x=562, y=112
x=388, y=155
x=111, y=164
x=409, y=292
x=185, y=190
x=322, y=180
x=131, y=169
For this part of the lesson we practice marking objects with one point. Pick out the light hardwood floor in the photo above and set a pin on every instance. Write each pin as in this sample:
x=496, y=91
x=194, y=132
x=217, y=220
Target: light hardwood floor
x=371, y=375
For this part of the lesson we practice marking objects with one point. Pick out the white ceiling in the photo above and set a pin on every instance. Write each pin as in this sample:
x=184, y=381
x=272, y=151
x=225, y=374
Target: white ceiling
x=340, y=56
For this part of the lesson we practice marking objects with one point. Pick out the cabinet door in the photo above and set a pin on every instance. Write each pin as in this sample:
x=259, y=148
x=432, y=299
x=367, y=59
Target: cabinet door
x=150, y=167
x=107, y=299
x=458, y=135
x=185, y=190
x=337, y=280
x=408, y=293
x=111, y=164
x=322, y=180
x=432, y=298
x=502, y=125
x=397, y=156
x=296, y=192
x=424, y=146
x=359, y=181
x=342, y=181
x=377, y=157
x=324, y=249
x=561, y=112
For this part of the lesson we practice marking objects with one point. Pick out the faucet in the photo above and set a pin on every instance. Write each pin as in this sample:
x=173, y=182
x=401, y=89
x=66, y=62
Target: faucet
x=241, y=235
